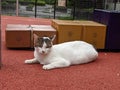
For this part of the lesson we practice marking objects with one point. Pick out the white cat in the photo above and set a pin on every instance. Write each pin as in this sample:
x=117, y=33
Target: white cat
x=61, y=55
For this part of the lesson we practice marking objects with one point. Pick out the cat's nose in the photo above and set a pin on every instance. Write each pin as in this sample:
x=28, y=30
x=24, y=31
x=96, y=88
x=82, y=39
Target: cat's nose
x=43, y=51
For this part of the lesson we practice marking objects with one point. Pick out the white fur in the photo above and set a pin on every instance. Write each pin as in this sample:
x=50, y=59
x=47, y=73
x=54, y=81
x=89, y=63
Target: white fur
x=64, y=55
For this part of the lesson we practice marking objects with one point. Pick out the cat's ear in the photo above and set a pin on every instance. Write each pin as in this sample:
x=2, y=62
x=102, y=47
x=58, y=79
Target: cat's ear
x=35, y=36
x=53, y=37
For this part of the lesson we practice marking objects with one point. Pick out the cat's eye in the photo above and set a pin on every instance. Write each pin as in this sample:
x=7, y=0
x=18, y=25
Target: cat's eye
x=37, y=45
x=47, y=47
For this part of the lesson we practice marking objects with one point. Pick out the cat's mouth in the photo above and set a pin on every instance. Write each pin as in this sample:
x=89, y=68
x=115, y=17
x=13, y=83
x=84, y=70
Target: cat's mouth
x=43, y=53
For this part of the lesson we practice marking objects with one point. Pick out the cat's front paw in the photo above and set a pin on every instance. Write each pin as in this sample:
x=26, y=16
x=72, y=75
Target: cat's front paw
x=28, y=61
x=47, y=67
x=31, y=61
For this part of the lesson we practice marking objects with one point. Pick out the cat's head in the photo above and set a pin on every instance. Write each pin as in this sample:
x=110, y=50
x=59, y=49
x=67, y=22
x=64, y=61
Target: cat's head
x=43, y=44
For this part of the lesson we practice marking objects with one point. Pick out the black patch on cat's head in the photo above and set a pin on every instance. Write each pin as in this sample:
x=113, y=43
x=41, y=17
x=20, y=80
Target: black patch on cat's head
x=41, y=40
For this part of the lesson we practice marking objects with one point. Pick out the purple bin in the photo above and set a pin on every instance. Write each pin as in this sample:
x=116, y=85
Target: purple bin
x=112, y=20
